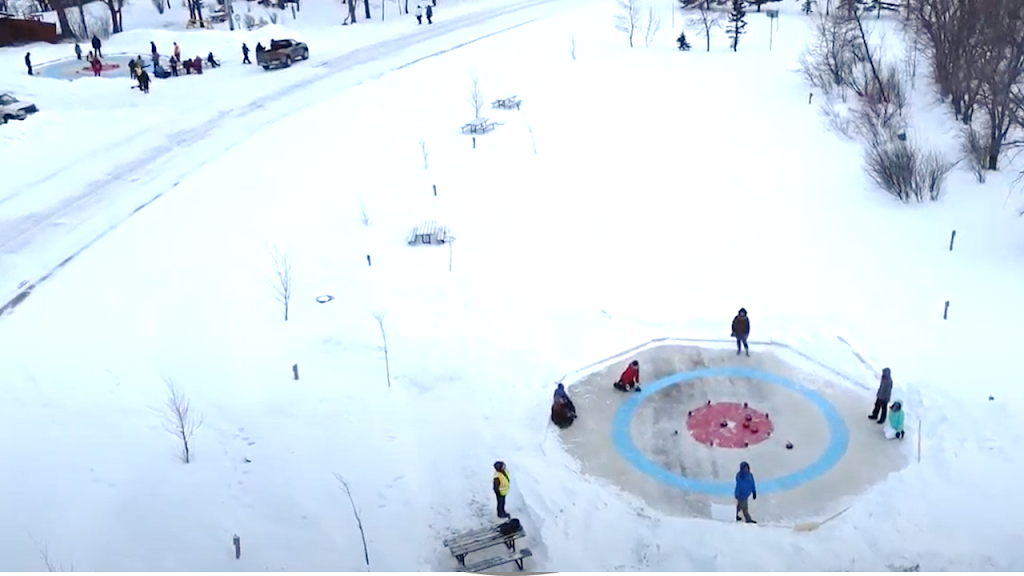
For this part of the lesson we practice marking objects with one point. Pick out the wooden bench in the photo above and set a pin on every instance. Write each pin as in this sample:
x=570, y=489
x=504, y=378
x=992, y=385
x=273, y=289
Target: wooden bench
x=506, y=103
x=490, y=563
x=475, y=540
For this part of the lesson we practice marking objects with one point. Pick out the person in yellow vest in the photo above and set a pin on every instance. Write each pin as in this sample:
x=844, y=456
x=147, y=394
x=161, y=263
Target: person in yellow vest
x=501, y=486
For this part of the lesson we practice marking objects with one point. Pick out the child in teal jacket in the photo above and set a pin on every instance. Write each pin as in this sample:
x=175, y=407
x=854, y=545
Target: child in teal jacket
x=896, y=417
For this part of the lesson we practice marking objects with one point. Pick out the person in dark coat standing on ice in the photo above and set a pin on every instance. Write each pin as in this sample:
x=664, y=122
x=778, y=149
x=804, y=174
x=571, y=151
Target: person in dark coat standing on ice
x=882, y=397
x=741, y=330
x=245, y=54
x=97, y=45
x=28, y=62
x=152, y=50
x=502, y=484
x=746, y=488
x=430, y=14
x=629, y=381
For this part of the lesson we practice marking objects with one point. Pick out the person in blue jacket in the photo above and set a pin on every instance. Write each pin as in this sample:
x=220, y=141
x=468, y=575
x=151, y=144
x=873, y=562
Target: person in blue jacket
x=745, y=488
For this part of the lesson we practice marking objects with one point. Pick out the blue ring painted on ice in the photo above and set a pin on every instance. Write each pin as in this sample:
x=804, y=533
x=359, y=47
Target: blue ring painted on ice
x=839, y=436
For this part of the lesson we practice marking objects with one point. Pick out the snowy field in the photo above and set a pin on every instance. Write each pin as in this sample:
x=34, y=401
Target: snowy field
x=639, y=193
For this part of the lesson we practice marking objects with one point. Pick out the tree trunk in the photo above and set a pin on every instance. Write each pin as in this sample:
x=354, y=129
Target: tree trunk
x=366, y=7
x=62, y=19
x=81, y=15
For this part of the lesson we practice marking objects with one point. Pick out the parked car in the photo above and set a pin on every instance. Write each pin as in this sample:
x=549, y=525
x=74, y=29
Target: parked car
x=281, y=54
x=13, y=109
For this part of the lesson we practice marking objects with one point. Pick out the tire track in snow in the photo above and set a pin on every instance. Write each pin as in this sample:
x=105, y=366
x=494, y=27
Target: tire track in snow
x=151, y=166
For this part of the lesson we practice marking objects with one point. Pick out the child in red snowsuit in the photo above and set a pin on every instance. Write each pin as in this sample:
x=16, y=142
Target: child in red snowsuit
x=630, y=379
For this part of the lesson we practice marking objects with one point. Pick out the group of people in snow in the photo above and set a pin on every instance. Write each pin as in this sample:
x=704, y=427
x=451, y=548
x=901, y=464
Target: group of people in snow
x=429, y=13
x=563, y=414
x=883, y=408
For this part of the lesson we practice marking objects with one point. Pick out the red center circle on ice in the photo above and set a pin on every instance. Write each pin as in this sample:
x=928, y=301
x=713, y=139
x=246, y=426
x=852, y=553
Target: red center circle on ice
x=705, y=424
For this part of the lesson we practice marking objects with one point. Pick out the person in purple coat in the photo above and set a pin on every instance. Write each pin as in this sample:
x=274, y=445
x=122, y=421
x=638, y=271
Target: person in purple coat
x=745, y=488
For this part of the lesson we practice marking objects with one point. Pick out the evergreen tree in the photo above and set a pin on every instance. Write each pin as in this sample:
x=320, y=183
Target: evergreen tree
x=808, y=6
x=737, y=23
x=683, y=44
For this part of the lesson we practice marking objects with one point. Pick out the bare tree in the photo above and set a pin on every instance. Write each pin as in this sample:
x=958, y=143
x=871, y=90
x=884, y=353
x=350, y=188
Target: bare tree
x=159, y=5
x=355, y=512
x=44, y=554
x=476, y=95
x=652, y=24
x=627, y=19
x=379, y=317
x=830, y=59
x=423, y=149
x=364, y=217
x=706, y=21
x=180, y=421
x=281, y=278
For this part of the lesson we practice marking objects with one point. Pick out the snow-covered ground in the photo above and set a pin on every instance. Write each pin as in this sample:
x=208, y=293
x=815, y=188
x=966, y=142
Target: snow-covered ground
x=639, y=193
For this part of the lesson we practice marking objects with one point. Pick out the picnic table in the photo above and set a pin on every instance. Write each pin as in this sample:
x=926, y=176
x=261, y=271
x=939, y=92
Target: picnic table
x=506, y=103
x=476, y=540
x=479, y=126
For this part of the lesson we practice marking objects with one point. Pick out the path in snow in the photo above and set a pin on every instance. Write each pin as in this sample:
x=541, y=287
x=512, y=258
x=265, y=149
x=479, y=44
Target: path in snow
x=34, y=246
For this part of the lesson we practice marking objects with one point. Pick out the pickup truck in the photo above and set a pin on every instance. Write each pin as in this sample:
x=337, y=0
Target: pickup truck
x=281, y=54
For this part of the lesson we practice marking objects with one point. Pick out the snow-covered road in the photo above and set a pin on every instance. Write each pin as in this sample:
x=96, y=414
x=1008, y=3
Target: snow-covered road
x=70, y=209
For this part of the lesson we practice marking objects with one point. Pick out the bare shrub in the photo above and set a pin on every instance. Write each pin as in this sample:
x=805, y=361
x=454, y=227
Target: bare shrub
x=476, y=95
x=627, y=18
x=975, y=152
x=379, y=317
x=831, y=57
x=281, y=279
x=355, y=512
x=423, y=149
x=180, y=421
x=839, y=120
x=364, y=217
x=651, y=24
x=900, y=168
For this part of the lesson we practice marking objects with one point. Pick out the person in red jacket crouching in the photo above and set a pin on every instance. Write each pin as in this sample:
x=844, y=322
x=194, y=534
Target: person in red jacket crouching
x=630, y=379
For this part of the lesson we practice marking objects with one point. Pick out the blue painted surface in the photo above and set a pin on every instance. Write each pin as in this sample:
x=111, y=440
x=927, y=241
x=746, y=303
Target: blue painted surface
x=73, y=68
x=839, y=437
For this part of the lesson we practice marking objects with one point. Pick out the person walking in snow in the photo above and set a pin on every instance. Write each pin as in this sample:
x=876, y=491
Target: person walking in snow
x=882, y=397
x=173, y=63
x=419, y=14
x=629, y=381
x=78, y=51
x=144, y=81
x=430, y=14
x=741, y=330
x=152, y=50
x=131, y=69
x=97, y=45
x=177, y=51
x=245, y=54
x=212, y=61
x=745, y=488
x=502, y=483
x=896, y=418
x=28, y=62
